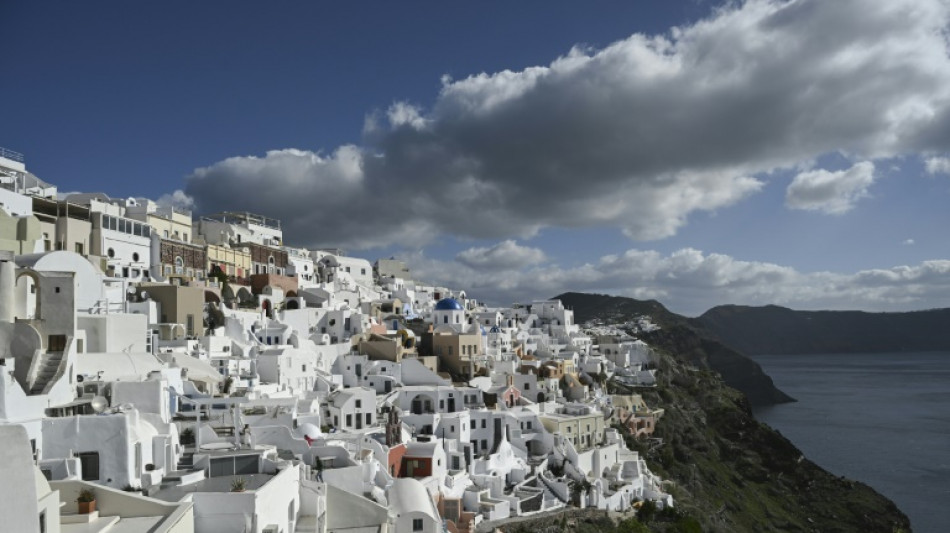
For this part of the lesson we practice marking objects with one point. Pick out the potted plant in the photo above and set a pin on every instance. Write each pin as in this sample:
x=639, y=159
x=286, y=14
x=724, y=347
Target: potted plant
x=86, y=501
x=238, y=485
x=187, y=437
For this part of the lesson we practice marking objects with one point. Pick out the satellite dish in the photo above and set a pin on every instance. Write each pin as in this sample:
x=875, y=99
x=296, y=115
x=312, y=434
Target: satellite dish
x=99, y=404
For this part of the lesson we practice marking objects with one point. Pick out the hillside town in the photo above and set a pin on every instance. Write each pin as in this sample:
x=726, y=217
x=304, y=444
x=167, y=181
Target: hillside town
x=167, y=372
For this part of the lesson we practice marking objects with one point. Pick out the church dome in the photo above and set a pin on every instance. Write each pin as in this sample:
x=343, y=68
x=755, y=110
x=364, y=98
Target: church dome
x=448, y=304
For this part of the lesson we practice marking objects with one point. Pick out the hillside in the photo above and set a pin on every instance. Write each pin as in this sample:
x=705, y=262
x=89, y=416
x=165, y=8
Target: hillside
x=678, y=336
x=729, y=472
x=778, y=330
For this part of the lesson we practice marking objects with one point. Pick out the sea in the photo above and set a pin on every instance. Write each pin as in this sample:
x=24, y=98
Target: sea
x=881, y=418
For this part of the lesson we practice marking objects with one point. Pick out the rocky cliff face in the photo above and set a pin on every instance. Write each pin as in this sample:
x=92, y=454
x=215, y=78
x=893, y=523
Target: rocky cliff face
x=777, y=330
x=733, y=473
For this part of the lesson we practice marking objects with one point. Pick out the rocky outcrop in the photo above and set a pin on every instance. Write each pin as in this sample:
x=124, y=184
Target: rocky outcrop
x=679, y=336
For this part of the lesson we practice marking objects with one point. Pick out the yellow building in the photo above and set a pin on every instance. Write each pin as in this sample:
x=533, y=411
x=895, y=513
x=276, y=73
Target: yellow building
x=234, y=262
x=167, y=221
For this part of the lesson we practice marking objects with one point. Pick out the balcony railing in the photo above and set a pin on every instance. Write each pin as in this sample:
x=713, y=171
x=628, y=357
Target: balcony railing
x=10, y=154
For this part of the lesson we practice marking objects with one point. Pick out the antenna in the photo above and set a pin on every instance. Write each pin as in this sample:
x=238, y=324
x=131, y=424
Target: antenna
x=99, y=404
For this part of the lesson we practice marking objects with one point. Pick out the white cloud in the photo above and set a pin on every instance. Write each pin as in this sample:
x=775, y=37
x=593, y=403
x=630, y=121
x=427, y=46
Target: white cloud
x=177, y=198
x=830, y=192
x=689, y=281
x=638, y=135
x=937, y=165
x=908, y=242
x=506, y=255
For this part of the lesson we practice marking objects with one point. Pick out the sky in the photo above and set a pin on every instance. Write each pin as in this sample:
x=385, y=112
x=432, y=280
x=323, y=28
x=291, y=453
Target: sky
x=700, y=153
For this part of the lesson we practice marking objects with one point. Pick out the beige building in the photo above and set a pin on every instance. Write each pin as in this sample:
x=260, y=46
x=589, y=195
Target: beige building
x=578, y=423
x=19, y=234
x=384, y=347
x=457, y=352
x=63, y=226
x=179, y=305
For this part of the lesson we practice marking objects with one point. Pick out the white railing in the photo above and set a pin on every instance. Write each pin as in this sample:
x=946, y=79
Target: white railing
x=10, y=154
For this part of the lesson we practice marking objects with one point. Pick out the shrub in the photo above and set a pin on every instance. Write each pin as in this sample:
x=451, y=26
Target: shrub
x=647, y=511
x=86, y=496
x=631, y=525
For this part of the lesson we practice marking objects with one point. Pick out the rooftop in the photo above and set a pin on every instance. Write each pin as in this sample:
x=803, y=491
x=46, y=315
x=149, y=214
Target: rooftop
x=243, y=217
x=214, y=484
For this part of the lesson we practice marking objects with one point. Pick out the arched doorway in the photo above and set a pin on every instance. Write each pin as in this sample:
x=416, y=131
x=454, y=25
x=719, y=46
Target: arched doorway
x=28, y=292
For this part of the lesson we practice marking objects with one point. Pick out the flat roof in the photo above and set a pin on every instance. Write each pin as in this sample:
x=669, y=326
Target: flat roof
x=214, y=484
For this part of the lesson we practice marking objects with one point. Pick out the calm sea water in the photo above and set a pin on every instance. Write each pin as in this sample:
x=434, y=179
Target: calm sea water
x=883, y=419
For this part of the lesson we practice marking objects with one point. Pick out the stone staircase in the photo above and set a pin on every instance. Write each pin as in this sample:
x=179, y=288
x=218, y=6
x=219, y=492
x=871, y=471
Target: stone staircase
x=46, y=370
x=186, y=462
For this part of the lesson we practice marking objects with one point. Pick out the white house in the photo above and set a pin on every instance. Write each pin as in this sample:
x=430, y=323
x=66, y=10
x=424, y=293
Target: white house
x=412, y=508
x=351, y=409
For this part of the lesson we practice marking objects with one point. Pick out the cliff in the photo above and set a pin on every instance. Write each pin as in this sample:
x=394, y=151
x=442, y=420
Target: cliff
x=679, y=336
x=778, y=330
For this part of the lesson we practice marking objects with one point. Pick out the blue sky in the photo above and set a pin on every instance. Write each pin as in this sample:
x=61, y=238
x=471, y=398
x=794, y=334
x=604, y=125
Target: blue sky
x=761, y=152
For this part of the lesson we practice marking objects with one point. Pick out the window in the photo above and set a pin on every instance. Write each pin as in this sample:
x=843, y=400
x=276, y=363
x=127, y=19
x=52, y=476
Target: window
x=90, y=465
x=473, y=424
x=179, y=265
x=111, y=252
x=359, y=403
x=417, y=524
x=369, y=418
x=79, y=248
x=484, y=424
x=363, y=271
x=234, y=466
x=349, y=420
